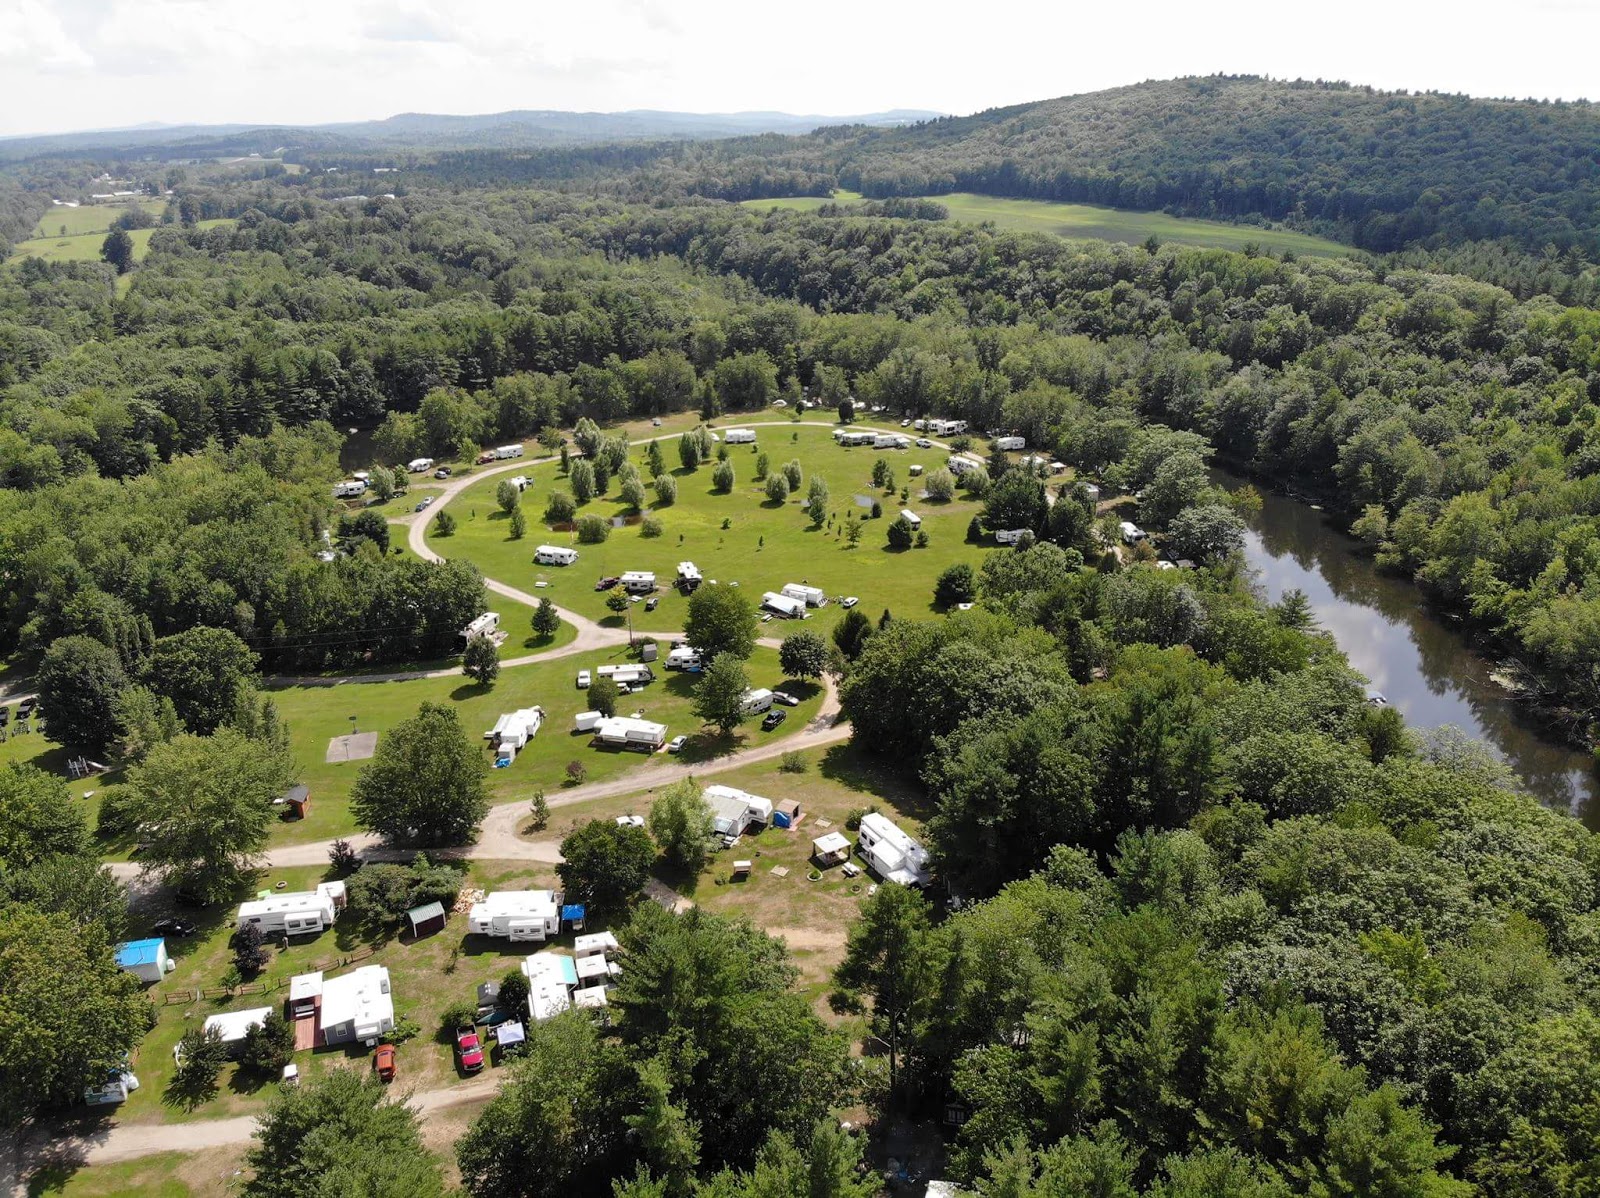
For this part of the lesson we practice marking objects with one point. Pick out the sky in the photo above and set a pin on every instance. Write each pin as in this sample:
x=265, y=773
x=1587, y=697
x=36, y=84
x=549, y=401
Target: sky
x=89, y=64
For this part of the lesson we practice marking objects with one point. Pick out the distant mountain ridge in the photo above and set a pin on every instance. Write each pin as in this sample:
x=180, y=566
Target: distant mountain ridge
x=513, y=129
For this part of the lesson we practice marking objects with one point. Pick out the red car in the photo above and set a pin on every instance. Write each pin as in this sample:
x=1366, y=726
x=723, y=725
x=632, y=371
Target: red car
x=485, y=457
x=469, y=1049
x=606, y=582
x=383, y=1062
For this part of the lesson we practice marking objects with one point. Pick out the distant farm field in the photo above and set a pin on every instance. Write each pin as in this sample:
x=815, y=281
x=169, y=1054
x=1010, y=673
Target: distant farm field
x=1088, y=221
x=85, y=247
x=90, y=218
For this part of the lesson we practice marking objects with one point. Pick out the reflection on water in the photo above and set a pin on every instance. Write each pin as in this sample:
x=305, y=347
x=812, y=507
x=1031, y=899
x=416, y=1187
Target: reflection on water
x=1422, y=665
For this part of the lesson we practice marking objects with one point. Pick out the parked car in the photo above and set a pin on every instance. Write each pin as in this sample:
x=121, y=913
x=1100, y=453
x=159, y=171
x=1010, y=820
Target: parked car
x=650, y=603
x=172, y=927
x=849, y=601
x=655, y=422
x=766, y=617
x=906, y=423
x=780, y=403
x=675, y=745
x=486, y=457
x=5, y=716
x=607, y=582
x=425, y=503
x=383, y=1062
x=25, y=708
x=442, y=472
x=774, y=718
x=469, y=1049
x=583, y=680
x=924, y=443
x=785, y=698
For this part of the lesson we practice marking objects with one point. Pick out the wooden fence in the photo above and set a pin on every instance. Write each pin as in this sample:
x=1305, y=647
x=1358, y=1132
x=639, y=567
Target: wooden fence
x=175, y=998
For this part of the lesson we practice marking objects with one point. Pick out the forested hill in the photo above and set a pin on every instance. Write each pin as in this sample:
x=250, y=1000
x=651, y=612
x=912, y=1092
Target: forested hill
x=1382, y=170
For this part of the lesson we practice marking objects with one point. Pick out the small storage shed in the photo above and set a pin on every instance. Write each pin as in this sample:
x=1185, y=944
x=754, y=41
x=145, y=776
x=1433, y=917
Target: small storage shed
x=426, y=919
x=786, y=814
x=147, y=960
x=298, y=800
x=304, y=992
x=832, y=849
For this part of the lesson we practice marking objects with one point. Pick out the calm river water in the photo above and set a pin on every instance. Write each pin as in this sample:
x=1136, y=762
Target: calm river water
x=1421, y=664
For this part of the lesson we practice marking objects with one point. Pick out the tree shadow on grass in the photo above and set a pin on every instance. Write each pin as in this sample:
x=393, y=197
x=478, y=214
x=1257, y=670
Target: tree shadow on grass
x=854, y=767
x=189, y=1094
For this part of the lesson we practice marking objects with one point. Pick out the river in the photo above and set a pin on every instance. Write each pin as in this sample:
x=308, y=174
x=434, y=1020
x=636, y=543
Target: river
x=1423, y=666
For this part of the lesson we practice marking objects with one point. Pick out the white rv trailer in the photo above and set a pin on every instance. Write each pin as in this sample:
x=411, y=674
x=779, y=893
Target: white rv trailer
x=638, y=582
x=508, y=451
x=419, y=465
x=349, y=489
x=755, y=700
x=555, y=555
x=516, y=915
x=631, y=733
x=741, y=436
x=295, y=912
x=893, y=855
x=810, y=596
x=1011, y=443
x=783, y=605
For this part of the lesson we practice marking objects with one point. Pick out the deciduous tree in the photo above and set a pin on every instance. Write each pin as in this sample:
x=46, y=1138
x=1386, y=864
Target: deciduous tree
x=606, y=864
x=426, y=784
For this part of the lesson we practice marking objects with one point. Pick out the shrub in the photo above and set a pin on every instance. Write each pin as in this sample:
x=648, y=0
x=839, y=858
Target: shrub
x=249, y=953
x=405, y=1028
x=957, y=584
x=792, y=762
x=632, y=493
x=722, y=476
x=791, y=472
x=519, y=524
x=341, y=856
x=444, y=524
x=877, y=510
x=650, y=527
x=777, y=488
x=852, y=822
x=576, y=771
x=513, y=991
x=457, y=1014
x=560, y=508
x=940, y=486
x=899, y=533
x=763, y=464
x=922, y=538
x=592, y=530
x=666, y=490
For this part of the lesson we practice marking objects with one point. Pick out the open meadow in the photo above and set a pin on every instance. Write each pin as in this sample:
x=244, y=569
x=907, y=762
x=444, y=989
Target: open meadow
x=90, y=218
x=1089, y=221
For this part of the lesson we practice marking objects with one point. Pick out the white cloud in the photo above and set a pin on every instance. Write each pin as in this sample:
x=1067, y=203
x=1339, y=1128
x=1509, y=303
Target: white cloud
x=118, y=62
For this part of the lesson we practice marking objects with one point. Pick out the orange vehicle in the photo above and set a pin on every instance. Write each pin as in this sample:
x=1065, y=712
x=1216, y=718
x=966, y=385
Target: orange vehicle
x=383, y=1062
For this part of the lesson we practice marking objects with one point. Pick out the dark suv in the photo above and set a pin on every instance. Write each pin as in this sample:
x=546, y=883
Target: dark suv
x=774, y=718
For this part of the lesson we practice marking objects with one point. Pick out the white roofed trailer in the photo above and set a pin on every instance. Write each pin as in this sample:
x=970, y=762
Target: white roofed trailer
x=508, y=451
x=555, y=555
x=1132, y=533
x=741, y=436
x=629, y=674
x=1011, y=443
x=783, y=605
x=756, y=700
x=294, y=913
x=419, y=465
x=358, y=1005
x=683, y=658
x=1009, y=536
x=911, y=517
x=962, y=465
x=733, y=810
x=484, y=625
x=587, y=721
x=688, y=574
x=810, y=596
x=516, y=915
x=631, y=733
x=638, y=582
x=893, y=855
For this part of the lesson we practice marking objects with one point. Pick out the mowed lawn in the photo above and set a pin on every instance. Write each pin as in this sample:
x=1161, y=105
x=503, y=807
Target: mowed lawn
x=85, y=247
x=90, y=218
x=764, y=545
x=315, y=714
x=1089, y=221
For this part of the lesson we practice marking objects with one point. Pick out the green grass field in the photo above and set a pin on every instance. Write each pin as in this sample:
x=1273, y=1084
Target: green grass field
x=90, y=218
x=763, y=547
x=1090, y=222
x=85, y=247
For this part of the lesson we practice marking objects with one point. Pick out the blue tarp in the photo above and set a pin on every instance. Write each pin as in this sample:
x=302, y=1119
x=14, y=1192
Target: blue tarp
x=573, y=912
x=139, y=952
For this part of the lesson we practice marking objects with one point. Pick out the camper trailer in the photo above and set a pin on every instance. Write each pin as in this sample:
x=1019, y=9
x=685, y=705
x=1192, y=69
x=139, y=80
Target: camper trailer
x=352, y=488
x=741, y=436
x=419, y=465
x=1009, y=536
x=512, y=732
x=810, y=596
x=782, y=605
x=946, y=428
x=555, y=555
x=959, y=466
x=294, y=913
x=484, y=625
x=756, y=701
x=688, y=576
x=357, y=1006
x=1132, y=533
x=516, y=915
x=627, y=675
x=630, y=733
x=587, y=721
x=638, y=582
x=911, y=518
x=1092, y=491
x=892, y=854
x=733, y=810
x=1011, y=443
x=683, y=657
x=508, y=451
